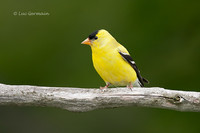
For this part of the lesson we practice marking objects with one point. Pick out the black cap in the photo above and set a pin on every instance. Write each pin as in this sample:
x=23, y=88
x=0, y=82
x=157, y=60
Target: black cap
x=93, y=35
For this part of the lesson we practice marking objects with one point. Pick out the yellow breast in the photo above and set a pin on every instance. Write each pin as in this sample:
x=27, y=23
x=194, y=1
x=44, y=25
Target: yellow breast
x=112, y=67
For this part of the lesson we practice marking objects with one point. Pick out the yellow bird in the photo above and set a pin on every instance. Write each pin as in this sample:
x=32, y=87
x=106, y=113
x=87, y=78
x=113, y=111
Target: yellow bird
x=112, y=61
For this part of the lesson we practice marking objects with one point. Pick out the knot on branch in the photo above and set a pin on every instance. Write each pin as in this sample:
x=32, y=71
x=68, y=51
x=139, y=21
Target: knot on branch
x=177, y=99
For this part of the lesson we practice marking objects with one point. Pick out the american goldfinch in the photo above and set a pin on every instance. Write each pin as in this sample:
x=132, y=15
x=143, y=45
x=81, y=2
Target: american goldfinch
x=112, y=61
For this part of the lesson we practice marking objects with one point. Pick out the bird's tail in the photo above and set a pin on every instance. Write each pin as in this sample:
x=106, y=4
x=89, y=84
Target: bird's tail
x=142, y=81
x=145, y=80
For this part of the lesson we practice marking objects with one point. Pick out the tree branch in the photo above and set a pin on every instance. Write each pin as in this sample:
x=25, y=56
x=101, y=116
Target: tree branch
x=82, y=100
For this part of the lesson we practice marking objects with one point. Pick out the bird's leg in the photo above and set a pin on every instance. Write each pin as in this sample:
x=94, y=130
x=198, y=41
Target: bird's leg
x=130, y=86
x=105, y=87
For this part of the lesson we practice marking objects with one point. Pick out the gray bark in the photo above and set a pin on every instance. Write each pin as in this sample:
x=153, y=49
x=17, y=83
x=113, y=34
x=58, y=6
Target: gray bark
x=82, y=100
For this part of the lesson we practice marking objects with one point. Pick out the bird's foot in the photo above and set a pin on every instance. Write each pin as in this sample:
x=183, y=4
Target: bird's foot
x=104, y=88
x=130, y=86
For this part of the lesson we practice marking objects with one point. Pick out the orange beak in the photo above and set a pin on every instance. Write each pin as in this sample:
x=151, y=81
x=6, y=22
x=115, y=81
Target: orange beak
x=86, y=41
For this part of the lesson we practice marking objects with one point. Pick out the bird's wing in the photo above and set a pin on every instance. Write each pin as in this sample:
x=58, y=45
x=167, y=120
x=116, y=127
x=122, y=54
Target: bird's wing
x=126, y=56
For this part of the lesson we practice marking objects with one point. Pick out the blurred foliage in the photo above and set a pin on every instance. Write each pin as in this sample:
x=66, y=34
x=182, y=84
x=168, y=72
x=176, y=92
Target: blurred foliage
x=163, y=36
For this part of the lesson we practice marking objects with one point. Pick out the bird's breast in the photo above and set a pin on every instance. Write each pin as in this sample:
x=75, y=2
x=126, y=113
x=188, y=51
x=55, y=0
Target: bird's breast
x=112, y=67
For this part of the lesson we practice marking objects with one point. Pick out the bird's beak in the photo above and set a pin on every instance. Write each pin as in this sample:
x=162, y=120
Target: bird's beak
x=86, y=41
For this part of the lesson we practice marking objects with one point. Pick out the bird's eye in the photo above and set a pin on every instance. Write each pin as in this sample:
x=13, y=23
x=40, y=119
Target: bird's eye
x=95, y=37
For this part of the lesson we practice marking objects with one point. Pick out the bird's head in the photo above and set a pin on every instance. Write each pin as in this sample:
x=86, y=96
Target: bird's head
x=98, y=38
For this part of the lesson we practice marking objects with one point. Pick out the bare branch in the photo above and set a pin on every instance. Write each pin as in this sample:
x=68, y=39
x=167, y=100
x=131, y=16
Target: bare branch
x=82, y=100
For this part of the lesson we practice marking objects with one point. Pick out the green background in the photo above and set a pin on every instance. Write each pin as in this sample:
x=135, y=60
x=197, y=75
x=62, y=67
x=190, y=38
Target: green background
x=163, y=37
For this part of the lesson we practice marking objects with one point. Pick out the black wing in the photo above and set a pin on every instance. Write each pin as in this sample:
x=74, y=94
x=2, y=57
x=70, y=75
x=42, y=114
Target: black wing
x=129, y=59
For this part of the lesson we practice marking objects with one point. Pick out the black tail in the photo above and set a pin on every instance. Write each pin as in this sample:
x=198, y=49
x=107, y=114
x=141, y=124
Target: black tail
x=145, y=80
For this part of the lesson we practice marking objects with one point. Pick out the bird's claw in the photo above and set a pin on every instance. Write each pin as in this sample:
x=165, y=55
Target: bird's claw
x=130, y=86
x=104, y=88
